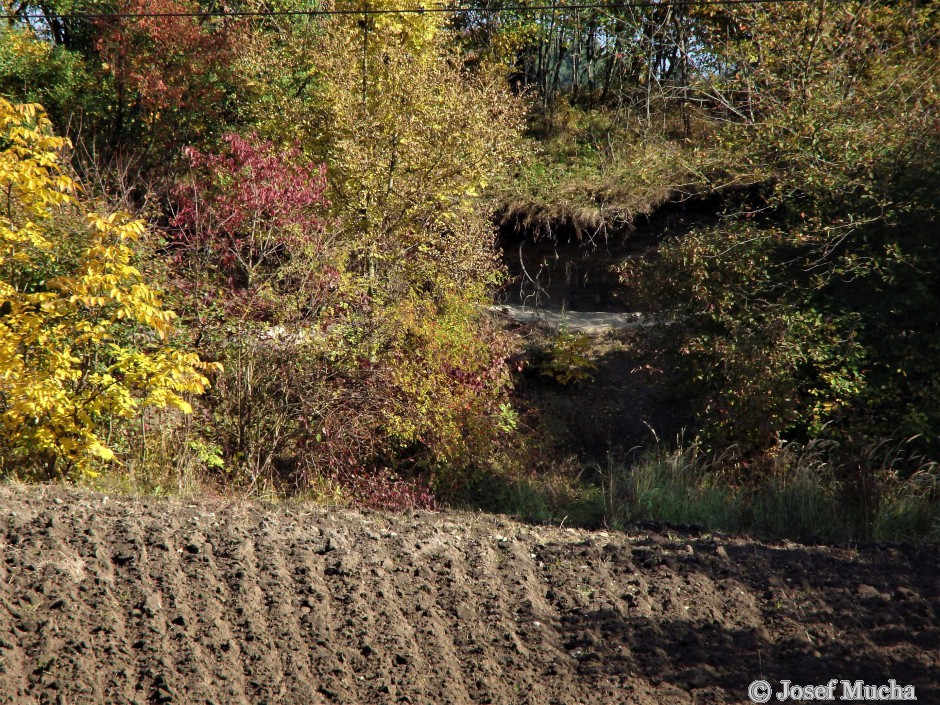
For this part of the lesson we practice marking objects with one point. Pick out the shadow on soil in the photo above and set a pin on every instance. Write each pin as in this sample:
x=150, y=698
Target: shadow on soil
x=822, y=613
x=624, y=407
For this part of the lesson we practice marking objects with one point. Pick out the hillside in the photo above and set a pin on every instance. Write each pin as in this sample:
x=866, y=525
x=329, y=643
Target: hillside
x=118, y=600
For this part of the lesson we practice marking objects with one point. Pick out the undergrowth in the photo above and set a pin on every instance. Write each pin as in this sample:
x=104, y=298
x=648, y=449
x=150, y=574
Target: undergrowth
x=819, y=491
x=803, y=492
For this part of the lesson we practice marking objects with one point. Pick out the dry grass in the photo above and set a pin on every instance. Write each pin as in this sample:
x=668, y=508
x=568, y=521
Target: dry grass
x=595, y=178
x=68, y=563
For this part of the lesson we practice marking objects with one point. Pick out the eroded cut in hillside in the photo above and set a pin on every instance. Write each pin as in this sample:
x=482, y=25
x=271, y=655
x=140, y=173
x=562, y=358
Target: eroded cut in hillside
x=566, y=276
x=567, y=262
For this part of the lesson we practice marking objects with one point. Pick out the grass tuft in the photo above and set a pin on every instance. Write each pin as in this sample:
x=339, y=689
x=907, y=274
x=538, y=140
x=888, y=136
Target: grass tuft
x=804, y=492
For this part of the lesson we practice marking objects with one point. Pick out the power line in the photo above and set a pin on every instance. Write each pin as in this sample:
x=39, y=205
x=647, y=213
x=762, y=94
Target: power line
x=643, y=4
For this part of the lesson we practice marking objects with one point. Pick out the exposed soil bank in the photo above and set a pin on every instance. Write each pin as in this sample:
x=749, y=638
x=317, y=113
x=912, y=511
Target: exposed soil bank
x=571, y=261
x=148, y=601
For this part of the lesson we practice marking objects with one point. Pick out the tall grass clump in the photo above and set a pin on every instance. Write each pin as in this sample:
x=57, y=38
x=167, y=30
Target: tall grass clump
x=816, y=491
x=798, y=496
x=677, y=487
x=554, y=491
x=908, y=506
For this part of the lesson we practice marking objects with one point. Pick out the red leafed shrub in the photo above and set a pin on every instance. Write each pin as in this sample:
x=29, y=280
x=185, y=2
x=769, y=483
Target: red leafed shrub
x=170, y=70
x=382, y=489
x=248, y=207
x=251, y=184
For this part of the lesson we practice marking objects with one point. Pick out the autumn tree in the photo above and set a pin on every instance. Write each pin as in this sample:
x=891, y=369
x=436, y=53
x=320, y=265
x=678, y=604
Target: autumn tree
x=412, y=137
x=170, y=74
x=245, y=210
x=83, y=338
x=130, y=90
x=814, y=311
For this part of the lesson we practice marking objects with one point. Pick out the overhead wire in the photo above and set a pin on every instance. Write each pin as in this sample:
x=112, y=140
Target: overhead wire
x=637, y=4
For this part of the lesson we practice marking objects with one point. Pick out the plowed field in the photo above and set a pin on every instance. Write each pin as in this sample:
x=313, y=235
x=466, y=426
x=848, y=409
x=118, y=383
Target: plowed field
x=117, y=600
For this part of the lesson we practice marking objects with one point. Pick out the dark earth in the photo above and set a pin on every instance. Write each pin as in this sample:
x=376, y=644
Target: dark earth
x=143, y=600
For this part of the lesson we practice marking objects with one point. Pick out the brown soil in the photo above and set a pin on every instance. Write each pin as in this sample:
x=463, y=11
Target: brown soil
x=117, y=600
x=624, y=407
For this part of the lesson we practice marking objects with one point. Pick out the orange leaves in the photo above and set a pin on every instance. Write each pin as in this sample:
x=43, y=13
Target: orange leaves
x=168, y=60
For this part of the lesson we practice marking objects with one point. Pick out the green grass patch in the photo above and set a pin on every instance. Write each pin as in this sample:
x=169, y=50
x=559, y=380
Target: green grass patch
x=593, y=174
x=802, y=492
x=555, y=497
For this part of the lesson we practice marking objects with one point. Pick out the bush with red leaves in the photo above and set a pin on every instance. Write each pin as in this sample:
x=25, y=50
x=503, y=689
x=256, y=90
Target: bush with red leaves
x=248, y=208
x=171, y=72
x=384, y=490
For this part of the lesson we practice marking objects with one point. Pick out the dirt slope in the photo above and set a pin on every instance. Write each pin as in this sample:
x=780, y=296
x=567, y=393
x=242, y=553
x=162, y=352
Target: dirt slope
x=146, y=601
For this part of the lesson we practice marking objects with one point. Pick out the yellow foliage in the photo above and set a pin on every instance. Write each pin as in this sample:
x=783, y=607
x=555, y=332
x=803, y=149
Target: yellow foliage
x=410, y=154
x=412, y=135
x=80, y=331
x=428, y=404
x=414, y=31
x=22, y=42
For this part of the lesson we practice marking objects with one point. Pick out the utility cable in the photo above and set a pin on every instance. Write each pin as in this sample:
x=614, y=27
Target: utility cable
x=642, y=4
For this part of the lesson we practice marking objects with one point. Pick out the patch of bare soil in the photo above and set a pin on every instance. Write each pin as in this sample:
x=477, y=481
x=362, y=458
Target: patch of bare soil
x=588, y=322
x=117, y=600
x=623, y=407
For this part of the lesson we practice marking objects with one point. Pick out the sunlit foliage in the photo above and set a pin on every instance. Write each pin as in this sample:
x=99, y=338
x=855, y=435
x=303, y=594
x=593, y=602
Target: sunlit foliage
x=411, y=137
x=814, y=312
x=82, y=336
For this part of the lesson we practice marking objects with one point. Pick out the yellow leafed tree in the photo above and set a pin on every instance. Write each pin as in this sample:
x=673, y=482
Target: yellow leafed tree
x=412, y=130
x=82, y=336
